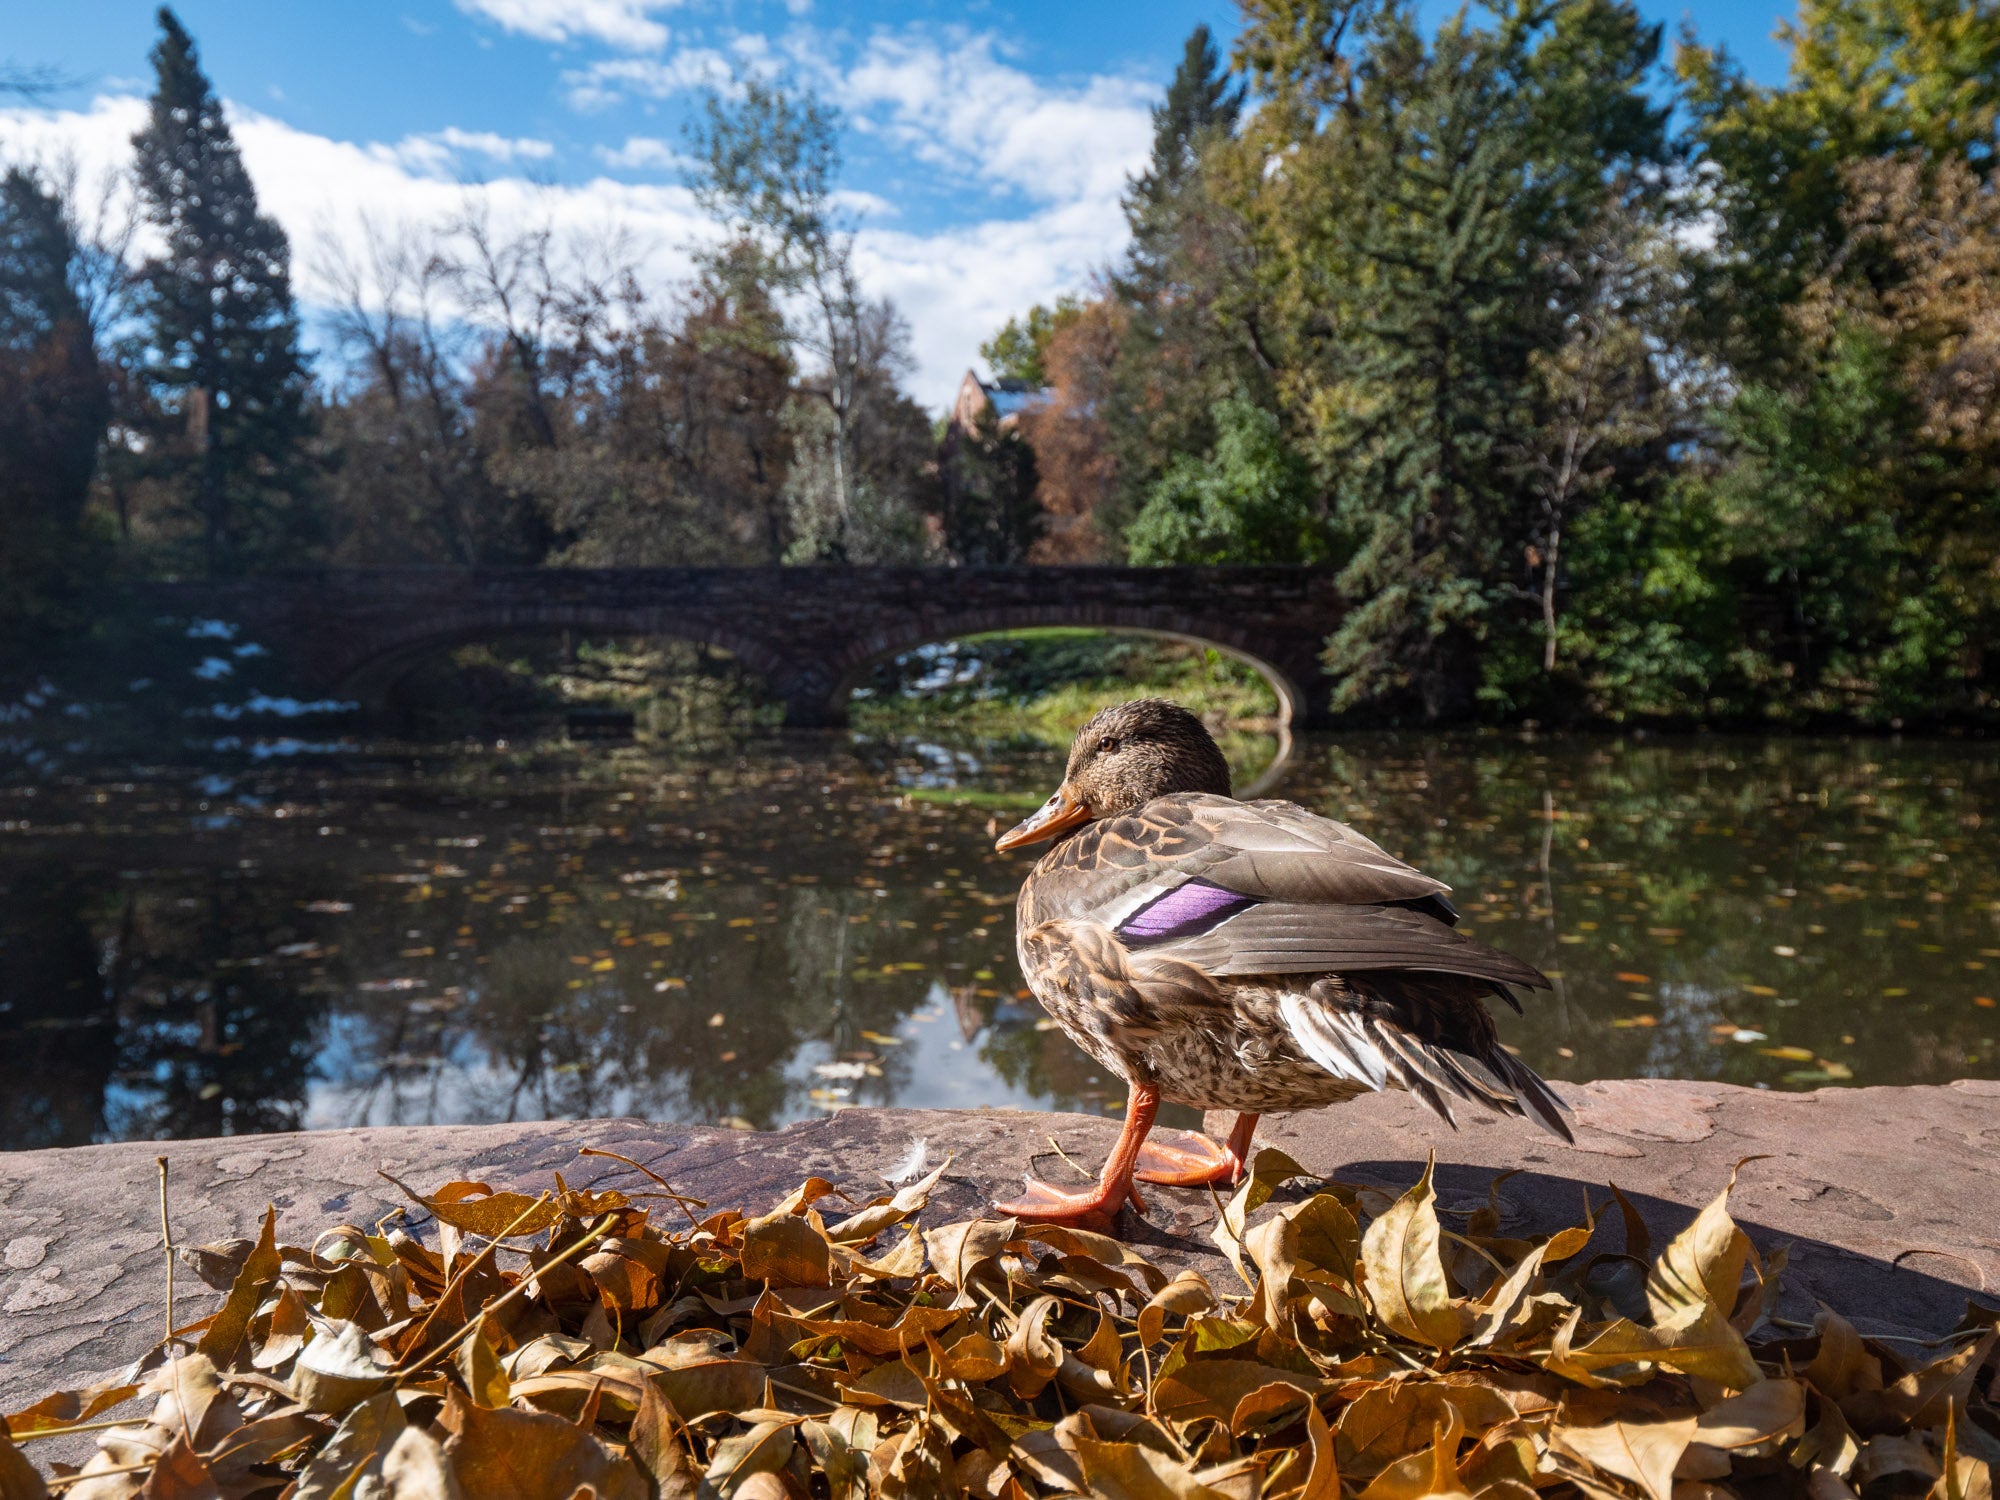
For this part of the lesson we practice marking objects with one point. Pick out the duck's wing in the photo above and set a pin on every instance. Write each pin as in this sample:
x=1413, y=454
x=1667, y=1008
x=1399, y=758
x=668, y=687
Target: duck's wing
x=1239, y=888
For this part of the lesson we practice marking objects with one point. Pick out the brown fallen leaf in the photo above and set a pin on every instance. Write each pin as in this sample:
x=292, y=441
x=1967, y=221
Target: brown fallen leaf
x=1372, y=1354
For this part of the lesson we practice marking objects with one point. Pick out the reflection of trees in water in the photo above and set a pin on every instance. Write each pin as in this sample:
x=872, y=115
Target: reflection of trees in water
x=1690, y=865
x=214, y=1036
x=526, y=1037
x=134, y=1012
x=56, y=1013
x=527, y=946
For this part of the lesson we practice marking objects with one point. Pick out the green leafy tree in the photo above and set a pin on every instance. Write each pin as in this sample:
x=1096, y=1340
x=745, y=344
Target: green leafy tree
x=1432, y=185
x=1018, y=351
x=54, y=403
x=222, y=330
x=1867, y=78
x=1253, y=499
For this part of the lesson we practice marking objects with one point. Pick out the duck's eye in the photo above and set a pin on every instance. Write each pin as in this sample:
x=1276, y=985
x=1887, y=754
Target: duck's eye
x=1106, y=745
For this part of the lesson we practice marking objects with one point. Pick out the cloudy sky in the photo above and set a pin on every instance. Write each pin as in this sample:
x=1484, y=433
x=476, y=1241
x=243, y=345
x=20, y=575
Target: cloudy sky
x=986, y=145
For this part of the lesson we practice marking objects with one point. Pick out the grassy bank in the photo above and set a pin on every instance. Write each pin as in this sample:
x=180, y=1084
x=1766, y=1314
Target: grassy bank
x=1040, y=684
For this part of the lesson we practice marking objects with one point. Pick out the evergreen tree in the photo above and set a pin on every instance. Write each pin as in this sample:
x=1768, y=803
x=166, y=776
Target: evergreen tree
x=987, y=492
x=1191, y=336
x=54, y=402
x=1201, y=105
x=222, y=330
x=1423, y=221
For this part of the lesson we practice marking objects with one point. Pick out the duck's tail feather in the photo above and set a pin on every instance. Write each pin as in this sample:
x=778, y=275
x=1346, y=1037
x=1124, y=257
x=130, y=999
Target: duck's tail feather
x=1353, y=1043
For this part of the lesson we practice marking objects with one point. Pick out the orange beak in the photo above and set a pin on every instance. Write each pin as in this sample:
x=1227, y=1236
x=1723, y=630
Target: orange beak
x=1062, y=812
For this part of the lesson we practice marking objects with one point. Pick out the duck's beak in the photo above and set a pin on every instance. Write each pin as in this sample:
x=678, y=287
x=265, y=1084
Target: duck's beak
x=1062, y=812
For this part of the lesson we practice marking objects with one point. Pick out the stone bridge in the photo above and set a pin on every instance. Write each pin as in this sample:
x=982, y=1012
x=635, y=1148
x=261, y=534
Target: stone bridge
x=810, y=632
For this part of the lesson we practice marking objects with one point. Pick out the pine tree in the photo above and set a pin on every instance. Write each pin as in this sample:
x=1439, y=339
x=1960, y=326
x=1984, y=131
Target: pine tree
x=1434, y=207
x=223, y=333
x=54, y=403
x=1200, y=106
x=1190, y=338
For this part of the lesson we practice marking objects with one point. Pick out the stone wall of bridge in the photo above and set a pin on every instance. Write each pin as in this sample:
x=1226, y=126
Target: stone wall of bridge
x=810, y=632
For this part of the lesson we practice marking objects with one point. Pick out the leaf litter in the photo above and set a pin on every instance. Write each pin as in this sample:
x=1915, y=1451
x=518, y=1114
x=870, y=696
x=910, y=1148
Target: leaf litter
x=583, y=1343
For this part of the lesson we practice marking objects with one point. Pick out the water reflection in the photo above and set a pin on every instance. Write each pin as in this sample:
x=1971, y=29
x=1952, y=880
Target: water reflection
x=811, y=924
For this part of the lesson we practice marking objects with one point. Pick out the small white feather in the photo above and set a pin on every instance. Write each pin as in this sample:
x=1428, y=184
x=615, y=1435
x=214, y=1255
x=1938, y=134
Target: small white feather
x=911, y=1167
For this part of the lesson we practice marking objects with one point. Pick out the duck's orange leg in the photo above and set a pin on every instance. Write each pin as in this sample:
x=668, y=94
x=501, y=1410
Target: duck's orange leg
x=1191, y=1160
x=1095, y=1207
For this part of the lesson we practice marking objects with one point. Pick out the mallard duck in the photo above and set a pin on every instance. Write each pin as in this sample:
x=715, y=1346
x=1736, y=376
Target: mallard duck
x=1248, y=956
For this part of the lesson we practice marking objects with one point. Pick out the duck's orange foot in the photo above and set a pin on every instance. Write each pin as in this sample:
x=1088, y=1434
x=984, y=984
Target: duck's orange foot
x=1188, y=1160
x=1094, y=1207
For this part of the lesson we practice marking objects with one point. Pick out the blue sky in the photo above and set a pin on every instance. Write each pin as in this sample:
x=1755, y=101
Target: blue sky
x=986, y=143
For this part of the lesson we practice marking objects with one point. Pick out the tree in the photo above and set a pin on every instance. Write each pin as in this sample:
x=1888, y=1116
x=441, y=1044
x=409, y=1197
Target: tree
x=1429, y=187
x=767, y=163
x=1076, y=464
x=987, y=492
x=1867, y=78
x=1019, y=350
x=408, y=481
x=1604, y=407
x=223, y=356
x=865, y=500
x=1201, y=106
x=1192, y=334
x=1252, y=500
x=54, y=403
x=673, y=449
x=1862, y=487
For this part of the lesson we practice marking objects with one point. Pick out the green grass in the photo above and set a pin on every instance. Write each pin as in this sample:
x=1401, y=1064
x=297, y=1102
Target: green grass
x=1040, y=684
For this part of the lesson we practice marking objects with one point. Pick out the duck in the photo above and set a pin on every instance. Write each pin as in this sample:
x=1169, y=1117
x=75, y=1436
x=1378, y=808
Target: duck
x=1242, y=956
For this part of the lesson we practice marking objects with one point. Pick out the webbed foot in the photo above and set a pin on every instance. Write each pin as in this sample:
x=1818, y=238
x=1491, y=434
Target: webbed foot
x=1094, y=1207
x=1188, y=1160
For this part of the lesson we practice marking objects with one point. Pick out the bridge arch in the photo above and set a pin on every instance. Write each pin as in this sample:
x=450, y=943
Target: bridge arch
x=808, y=631
x=851, y=665
x=369, y=678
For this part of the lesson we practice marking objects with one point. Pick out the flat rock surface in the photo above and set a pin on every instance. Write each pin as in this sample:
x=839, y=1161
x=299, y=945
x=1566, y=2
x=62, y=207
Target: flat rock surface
x=1888, y=1197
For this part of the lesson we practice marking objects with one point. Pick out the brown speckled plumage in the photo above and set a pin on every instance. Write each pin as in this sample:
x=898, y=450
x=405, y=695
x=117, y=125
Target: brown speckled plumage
x=1313, y=966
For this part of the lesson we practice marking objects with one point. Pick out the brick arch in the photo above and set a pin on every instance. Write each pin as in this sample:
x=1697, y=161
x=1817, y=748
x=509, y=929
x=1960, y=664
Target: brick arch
x=368, y=678
x=905, y=636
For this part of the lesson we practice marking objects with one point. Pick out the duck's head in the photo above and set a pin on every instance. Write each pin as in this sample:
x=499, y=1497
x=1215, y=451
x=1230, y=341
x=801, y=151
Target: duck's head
x=1123, y=758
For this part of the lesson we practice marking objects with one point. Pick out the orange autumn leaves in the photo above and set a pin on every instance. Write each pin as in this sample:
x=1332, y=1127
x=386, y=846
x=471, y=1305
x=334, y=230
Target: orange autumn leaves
x=639, y=1344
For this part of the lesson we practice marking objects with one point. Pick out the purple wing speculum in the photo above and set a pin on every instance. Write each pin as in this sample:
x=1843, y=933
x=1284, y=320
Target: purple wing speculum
x=1182, y=912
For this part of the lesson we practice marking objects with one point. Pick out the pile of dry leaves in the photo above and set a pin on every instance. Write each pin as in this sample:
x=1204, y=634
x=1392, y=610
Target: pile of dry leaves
x=621, y=1345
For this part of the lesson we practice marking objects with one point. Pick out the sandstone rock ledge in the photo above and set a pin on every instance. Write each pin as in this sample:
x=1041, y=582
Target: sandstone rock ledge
x=1888, y=1197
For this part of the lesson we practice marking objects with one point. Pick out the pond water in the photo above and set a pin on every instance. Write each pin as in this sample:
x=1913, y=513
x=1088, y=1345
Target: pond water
x=813, y=922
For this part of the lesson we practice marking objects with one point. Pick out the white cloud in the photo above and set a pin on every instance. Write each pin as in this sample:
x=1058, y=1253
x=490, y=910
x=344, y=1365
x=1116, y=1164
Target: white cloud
x=643, y=152
x=958, y=106
x=863, y=205
x=604, y=84
x=438, y=151
x=622, y=23
x=1064, y=149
